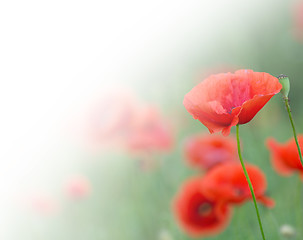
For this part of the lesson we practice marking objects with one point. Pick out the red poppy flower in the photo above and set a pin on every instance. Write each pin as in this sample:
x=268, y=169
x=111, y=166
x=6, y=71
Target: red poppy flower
x=197, y=214
x=206, y=151
x=227, y=99
x=285, y=157
x=228, y=182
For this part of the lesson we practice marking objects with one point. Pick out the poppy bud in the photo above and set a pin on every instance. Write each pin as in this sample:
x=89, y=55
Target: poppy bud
x=284, y=80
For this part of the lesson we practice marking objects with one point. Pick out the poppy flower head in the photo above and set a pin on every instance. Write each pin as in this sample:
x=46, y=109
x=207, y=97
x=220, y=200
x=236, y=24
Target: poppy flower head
x=228, y=182
x=206, y=151
x=197, y=214
x=227, y=99
x=285, y=157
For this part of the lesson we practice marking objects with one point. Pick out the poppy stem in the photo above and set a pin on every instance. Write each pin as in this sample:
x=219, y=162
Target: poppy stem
x=249, y=183
x=298, y=203
x=293, y=127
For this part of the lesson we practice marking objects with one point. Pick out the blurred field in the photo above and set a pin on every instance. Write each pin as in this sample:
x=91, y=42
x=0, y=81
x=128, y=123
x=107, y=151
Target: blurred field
x=129, y=202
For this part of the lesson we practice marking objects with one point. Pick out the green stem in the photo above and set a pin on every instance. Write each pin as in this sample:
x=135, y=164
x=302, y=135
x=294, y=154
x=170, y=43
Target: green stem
x=249, y=184
x=293, y=127
x=298, y=204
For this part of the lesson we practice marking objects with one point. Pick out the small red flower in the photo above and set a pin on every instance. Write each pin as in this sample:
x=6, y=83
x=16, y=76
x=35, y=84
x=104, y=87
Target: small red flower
x=285, y=157
x=228, y=182
x=206, y=151
x=227, y=99
x=197, y=214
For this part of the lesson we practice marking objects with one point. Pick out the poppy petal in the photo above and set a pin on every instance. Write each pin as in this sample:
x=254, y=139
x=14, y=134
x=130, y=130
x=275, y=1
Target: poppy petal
x=276, y=158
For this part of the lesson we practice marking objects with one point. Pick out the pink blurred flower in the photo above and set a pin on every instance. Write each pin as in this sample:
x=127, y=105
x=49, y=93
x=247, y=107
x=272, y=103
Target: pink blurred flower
x=43, y=205
x=298, y=21
x=120, y=121
x=150, y=132
x=111, y=119
x=78, y=187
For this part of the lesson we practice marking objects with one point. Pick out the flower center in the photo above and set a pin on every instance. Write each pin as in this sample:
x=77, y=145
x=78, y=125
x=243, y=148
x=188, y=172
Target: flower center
x=238, y=192
x=205, y=209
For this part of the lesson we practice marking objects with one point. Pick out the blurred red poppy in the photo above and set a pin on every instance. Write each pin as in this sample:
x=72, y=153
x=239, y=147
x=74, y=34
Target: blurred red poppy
x=285, y=157
x=206, y=151
x=197, y=214
x=227, y=99
x=228, y=182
